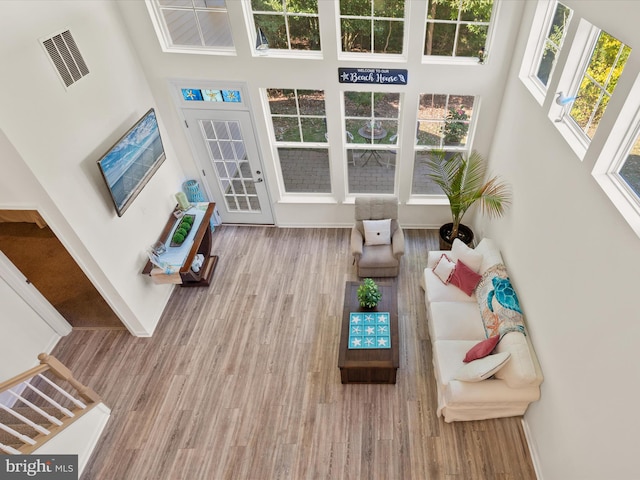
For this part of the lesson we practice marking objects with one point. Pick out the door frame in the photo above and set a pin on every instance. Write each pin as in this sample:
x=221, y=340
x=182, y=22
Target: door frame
x=176, y=86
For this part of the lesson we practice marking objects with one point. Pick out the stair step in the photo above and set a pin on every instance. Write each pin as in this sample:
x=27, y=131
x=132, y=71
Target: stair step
x=28, y=412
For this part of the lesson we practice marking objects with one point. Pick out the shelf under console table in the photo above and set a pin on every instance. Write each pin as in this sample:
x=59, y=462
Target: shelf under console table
x=181, y=258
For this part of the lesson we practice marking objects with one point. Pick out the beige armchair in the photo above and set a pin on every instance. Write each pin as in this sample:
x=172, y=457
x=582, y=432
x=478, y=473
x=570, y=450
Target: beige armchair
x=377, y=260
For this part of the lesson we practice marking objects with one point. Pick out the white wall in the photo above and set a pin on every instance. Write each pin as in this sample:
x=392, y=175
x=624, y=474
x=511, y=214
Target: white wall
x=574, y=263
x=56, y=136
x=261, y=73
x=24, y=334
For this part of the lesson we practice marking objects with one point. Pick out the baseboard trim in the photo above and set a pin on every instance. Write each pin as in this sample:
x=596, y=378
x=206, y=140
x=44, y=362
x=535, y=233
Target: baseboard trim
x=533, y=450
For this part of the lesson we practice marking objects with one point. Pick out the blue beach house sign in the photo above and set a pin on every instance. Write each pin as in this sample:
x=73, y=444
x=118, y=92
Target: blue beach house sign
x=382, y=76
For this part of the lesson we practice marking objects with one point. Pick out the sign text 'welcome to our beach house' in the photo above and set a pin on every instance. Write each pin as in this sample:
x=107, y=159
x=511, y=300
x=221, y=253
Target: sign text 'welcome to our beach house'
x=386, y=76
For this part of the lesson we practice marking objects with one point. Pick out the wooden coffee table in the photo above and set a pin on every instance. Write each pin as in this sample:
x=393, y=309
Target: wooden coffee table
x=377, y=365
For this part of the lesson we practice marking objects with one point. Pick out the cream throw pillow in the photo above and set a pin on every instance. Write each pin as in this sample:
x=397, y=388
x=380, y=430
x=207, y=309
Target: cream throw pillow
x=482, y=368
x=471, y=258
x=377, y=232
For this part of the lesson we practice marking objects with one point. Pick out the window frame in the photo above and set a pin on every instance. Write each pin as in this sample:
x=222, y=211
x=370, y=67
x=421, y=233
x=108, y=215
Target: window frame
x=164, y=35
x=454, y=59
x=252, y=29
x=441, y=199
x=543, y=18
x=573, y=72
x=372, y=56
x=613, y=156
x=278, y=144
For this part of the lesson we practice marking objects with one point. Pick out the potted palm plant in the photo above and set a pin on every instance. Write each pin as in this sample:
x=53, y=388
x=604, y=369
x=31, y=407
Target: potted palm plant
x=462, y=179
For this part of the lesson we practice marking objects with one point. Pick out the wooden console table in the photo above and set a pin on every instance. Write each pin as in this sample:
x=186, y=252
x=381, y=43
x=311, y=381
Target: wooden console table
x=202, y=242
x=369, y=365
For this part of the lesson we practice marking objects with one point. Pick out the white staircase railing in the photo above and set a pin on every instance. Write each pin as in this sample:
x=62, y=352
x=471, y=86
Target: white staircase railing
x=43, y=402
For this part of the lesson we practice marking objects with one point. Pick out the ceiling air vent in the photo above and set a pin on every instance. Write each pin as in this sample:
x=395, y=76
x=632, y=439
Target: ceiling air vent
x=64, y=54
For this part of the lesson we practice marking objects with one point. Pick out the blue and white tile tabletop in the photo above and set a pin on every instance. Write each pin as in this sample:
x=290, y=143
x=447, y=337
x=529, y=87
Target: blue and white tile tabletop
x=369, y=330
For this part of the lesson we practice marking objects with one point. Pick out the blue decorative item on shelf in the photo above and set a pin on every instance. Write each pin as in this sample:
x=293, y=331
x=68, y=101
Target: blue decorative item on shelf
x=192, y=189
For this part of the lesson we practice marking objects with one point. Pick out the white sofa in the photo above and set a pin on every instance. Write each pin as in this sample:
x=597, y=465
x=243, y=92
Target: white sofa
x=456, y=324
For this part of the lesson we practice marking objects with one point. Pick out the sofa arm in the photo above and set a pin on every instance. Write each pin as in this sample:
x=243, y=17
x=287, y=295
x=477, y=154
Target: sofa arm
x=397, y=243
x=356, y=242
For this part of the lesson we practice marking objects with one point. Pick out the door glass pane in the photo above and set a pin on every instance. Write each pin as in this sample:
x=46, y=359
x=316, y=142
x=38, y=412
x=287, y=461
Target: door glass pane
x=234, y=174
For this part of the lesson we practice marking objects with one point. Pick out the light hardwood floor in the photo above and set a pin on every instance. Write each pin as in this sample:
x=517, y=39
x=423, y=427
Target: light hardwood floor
x=240, y=380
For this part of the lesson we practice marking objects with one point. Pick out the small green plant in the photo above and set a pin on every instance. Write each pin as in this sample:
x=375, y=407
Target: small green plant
x=368, y=293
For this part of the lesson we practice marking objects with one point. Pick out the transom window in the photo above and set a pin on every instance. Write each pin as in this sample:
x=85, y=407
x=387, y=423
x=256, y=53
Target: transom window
x=600, y=79
x=299, y=124
x=553, y=42
x=199, y=25
x=457, y=28
x=372, y=26
x=288, y=24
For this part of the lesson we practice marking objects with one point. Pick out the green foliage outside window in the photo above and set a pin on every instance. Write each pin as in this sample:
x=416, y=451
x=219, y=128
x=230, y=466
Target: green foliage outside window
x=553, y=42
x=605, y=67
x=457, y=27
x=372, y=26
x=301, y=17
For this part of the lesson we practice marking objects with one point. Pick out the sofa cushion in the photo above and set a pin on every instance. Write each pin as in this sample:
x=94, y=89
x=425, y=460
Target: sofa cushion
x=377, y=232
x=444, y=268
x=378, y=256
x=498, y=302
x=460, y=251
x=455, y=321
x=482, y=368
x=521, y=370
x=464, y=278
x=436, y=291
x=490, y=254
x=482, y=349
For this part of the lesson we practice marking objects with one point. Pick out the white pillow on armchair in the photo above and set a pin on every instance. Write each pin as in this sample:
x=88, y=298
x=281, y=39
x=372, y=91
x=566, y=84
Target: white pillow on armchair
x=377, y=232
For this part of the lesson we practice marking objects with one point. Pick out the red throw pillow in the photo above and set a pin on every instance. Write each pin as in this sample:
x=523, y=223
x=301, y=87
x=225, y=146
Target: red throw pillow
x=482, y=349
x=464, y=278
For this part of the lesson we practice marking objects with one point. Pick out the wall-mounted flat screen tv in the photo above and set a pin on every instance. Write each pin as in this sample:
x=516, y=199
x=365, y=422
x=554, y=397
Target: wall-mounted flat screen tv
x=132, y=161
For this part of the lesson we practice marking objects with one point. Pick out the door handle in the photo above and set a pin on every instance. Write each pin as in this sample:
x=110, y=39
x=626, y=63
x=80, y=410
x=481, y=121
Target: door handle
x=258, y=180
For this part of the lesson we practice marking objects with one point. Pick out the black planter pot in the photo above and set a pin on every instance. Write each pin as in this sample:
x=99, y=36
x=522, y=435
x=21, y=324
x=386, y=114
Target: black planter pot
x=464, y=233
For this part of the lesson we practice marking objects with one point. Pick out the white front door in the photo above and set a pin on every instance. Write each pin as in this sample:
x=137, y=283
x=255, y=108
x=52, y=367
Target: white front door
x=228, y=156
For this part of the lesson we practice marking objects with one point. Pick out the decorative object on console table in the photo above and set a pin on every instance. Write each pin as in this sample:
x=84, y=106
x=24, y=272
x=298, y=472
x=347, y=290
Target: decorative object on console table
x=192, y=189
x=176, y=264
x=462, y=179
x=183, y=202
x=370, y=365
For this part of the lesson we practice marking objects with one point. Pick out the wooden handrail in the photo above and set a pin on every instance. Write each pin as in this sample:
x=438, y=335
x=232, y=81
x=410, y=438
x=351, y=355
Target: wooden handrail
x=23, y=377
x=63, y=373
x=57, y=369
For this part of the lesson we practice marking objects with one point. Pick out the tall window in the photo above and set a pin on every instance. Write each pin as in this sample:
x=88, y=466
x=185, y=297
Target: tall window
x=600, y=79
x=371, y=120
x=444, y=123
x=457, y=28
x=372, y=26
x=299, y=124
x=553, y=42
x=288, y=24
x=197, y=25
